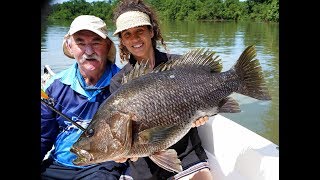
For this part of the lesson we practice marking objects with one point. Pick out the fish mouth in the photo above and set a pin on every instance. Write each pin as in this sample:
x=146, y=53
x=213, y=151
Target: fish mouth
x=83, y=156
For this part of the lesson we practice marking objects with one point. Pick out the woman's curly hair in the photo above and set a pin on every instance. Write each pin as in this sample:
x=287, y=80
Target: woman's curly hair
x=138, y=5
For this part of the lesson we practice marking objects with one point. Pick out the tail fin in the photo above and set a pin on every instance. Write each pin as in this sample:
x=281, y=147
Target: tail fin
x=250, y=72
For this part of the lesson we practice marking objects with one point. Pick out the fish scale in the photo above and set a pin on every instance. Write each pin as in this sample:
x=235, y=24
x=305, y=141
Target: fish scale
x=168, y=98
x=151, y=111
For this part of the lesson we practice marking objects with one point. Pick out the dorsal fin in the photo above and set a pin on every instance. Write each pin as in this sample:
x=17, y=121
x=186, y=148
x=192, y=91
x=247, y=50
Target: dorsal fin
x=199, y=57
x=137, y=71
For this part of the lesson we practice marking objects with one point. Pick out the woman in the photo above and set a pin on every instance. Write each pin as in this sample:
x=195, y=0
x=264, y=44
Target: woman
x=138, y=31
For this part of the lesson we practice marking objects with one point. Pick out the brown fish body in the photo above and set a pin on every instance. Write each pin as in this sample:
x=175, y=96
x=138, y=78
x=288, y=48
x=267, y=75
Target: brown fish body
x=172, y=98
x=150, y=113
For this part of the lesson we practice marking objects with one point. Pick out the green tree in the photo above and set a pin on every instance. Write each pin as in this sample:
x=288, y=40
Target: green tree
x=257, y=10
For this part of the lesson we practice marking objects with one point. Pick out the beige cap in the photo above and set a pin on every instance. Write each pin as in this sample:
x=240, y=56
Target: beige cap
x=91, y=23
x=131, y=19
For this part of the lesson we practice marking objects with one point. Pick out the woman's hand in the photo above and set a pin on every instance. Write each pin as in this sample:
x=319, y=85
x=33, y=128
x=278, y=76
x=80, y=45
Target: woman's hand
x=200, y=121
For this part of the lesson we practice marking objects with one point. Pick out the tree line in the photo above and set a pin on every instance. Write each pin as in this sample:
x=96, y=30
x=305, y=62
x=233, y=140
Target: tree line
x=190, y=10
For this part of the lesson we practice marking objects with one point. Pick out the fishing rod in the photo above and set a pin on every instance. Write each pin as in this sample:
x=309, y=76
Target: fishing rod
x=50, y=103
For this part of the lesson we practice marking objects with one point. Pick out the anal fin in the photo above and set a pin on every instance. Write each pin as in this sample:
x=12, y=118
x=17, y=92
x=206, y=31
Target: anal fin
x=229, y=105
x=168, y=160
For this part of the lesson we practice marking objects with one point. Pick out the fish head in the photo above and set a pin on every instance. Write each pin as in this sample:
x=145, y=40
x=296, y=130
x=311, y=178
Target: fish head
x=107, y=138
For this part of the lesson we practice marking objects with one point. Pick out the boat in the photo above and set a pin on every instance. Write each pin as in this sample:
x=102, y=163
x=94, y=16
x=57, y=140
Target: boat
x=234, y=152
x=47, y=74
x=237, y=153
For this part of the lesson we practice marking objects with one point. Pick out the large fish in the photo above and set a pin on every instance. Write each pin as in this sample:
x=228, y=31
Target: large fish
x=151, y=111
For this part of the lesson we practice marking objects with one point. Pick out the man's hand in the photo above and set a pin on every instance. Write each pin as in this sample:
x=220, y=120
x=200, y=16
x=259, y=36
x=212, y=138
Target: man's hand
x=122, y=160
x=200, y=121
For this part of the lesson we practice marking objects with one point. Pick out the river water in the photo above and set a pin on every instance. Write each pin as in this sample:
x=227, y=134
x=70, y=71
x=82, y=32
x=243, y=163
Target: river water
x=228, y=39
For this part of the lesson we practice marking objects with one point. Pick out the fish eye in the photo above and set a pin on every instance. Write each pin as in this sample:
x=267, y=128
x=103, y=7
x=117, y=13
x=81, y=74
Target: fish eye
x=89, y=132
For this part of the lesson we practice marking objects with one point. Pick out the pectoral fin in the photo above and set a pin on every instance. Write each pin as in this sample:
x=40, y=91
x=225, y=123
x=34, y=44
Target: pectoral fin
x=121, y=128
x=155, y=134
x=168, y=160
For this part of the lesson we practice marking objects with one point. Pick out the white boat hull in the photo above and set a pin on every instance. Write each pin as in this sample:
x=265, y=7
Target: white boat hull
x=236, y=153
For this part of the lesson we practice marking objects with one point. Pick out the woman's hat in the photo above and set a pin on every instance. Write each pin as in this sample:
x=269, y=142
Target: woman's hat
x=131, y=19
x=91, y=23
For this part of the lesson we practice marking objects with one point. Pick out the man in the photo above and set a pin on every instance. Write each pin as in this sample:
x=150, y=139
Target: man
x=78, y=92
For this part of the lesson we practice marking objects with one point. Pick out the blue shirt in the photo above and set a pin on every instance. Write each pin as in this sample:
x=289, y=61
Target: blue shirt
x=77, y=101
